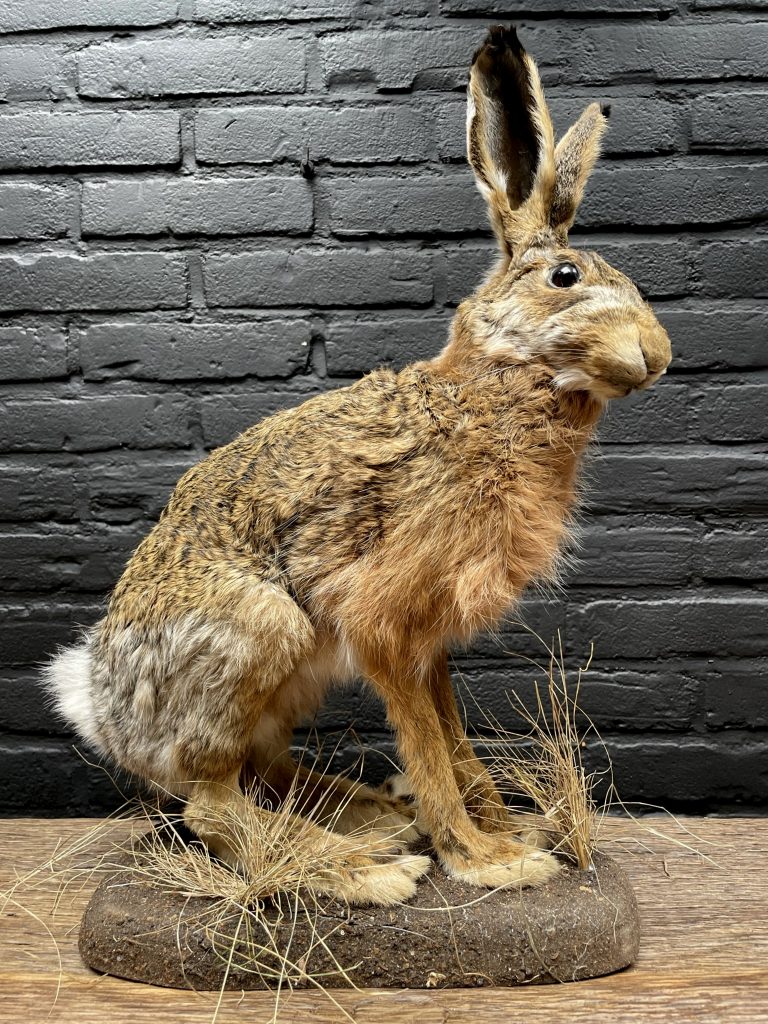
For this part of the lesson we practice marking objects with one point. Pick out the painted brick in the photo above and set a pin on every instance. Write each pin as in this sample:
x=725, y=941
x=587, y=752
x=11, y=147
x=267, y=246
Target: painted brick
x=36, y=71
x=67, y=558
x=125, y=487
x=189, y=66
x=688, y=478
x=319, y=277
x=206, y=206
x=42, y=139
x=32, y=353
x=31, y=15
x=196, y=351
x=570, y=7
x=30, y=632
x=567, y=52
x=150, y=280
x=717, y=337
x=630, y=550
x=733, y=268
x=381, y=133
x=397, y=206
x=225, y=416
x=269, y=10
x=730, y=120
x=664, y=415
x=669, y=194
x=29, y=210
x=734, y=694
x=93, y=424
x=357, y=346
x=685, y=624
x=35, y=491
x=735, y=550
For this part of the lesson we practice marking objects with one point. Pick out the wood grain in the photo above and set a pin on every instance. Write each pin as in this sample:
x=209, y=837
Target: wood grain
x=704, y=955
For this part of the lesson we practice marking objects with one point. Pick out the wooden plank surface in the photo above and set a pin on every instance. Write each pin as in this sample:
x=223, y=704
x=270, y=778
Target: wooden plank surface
x=704, y=954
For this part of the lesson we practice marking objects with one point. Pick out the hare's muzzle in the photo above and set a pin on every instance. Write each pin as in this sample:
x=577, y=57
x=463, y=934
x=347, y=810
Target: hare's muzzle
x=630, y=355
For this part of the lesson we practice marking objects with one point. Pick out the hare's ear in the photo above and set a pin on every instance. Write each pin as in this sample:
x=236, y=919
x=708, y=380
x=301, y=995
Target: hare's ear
x=510, y=141
x=575, y=157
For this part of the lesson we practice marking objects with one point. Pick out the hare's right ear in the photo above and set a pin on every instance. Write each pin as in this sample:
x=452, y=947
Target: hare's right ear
x=510, y=141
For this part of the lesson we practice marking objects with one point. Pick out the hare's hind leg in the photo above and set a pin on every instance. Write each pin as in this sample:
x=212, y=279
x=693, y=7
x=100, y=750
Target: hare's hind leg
x=254, y=840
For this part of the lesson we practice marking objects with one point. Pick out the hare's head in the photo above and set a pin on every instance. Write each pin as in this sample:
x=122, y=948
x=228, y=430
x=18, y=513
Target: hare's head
x=547, y=303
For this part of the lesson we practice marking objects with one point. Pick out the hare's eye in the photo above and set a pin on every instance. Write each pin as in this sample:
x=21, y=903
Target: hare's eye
x=565, y=275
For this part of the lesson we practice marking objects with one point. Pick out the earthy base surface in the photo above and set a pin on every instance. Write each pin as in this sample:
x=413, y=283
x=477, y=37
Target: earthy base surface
x=703, y=956
x=581, y=925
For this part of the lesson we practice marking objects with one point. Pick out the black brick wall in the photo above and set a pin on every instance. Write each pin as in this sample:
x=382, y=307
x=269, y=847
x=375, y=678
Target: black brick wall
x=169, y=274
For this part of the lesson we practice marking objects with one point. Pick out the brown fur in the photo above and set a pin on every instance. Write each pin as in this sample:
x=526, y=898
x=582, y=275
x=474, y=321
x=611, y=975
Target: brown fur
x=369, y=529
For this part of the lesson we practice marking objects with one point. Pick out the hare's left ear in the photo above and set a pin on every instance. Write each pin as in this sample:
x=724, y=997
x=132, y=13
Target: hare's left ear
x=575, y=157
x=510, y=141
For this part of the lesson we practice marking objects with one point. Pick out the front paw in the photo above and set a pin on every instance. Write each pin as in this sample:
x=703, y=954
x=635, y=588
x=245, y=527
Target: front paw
x=499, y=861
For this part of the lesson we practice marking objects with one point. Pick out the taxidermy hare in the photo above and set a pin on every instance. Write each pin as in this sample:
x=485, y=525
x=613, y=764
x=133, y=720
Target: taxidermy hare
x=367, y=530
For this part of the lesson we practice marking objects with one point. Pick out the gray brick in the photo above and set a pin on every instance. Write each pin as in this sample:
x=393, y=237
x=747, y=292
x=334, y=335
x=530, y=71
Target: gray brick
x=149, y=280
x=23, y=707
x=30, y=15
x=624, y=551
x=685, y=624
x=225, y=416
x=397, y=206
x=273, y=10
x=660, y=267
x=196, y=351
x=725, y=774
x=30, y=632
x=125, y=487
x=611, y=696
x=30, y=210
x=35, y=490
x=357, y=346
x=32, y=353
x=735, y=550
x=730, y=120
x=567, y=52
x=398, y=60
x=734, y=413
x=36, y=71
x=42, y=139
x=734, y=694
x=191, y=66
x=319, y=277
x=733, y=268
x=702, y=479
x=664, y=415
x=719, y=337
x=72, y=558
x=95, y=424
x=570, y=7
x=668, y=194
x=205, y=206
x=381, y=133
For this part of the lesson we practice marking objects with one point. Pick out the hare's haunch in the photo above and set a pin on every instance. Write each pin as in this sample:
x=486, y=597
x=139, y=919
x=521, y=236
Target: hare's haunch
x=367, y=530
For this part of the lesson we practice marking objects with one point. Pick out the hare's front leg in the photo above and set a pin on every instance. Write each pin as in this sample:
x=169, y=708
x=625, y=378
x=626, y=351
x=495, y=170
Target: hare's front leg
x=481, y=797
x=466, y=853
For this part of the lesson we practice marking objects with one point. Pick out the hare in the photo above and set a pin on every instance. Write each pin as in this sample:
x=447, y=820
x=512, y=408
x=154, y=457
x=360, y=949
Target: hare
x=367, y=530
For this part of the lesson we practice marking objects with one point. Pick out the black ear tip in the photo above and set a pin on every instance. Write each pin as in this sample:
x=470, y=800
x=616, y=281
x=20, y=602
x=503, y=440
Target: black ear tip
x=500, y=38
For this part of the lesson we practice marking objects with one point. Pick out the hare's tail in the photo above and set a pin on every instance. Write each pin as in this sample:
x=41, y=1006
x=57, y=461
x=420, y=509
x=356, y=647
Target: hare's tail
x=67, y=680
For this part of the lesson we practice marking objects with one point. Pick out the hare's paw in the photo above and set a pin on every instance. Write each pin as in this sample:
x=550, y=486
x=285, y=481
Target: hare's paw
x=397, y=787
x=364, y=880
x=502, y=862
x=374, y=809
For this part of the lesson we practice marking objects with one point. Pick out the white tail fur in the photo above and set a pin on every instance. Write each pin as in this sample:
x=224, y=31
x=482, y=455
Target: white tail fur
x=68, y=681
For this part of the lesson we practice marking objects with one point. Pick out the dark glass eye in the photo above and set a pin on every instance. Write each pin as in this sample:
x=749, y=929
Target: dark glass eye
x=565, y=275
